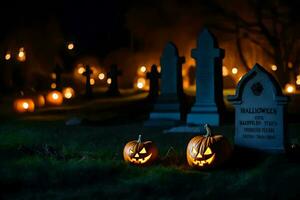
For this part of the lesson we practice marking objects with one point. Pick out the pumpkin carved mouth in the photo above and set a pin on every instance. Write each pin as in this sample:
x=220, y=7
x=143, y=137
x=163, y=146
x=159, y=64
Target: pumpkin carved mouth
x=204, y=162
x=140, y=160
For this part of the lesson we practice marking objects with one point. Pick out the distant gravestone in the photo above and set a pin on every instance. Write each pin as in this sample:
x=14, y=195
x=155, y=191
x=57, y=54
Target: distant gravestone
x=88, y=88
x=113, y=88
x=209, y=84
x=154, y=77
x=169, y=103
x=259, y=112
x=58, y=71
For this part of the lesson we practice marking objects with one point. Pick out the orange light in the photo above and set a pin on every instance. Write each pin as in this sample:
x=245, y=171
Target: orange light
x=159, y=68
x=101, y=76
x=81, y=70
x=234, y=70
x=141, y=82
x=225, y=71
x=92, y=81
x=7, y=56
x=24, y=105
x=70, y=46
x=108, y=81
x=290, y=88
x=53, y=85
x=54, y=98
x=21, y=55
x=68, y=92
x=40, y=101
x=53, y=75
x=143, y=69
x=274, y=68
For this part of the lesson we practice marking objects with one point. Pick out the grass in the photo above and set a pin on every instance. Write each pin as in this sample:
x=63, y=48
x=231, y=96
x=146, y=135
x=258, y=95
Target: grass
x=88, y=164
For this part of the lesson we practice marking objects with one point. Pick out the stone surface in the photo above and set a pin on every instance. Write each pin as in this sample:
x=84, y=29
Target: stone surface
x=209, y=86
x=259, y=112
x=199, y=130
x=168, y=106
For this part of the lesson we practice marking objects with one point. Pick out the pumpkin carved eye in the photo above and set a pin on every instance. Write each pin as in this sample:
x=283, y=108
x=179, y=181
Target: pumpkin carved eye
x=208, y=151
x=140, y=153
x=143, y=151
x=194, y=150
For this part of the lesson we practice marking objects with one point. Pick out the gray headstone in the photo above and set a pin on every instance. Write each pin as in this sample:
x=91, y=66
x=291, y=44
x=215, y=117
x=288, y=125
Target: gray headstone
x=259, y=112
x=209, y=85
x=168, y=105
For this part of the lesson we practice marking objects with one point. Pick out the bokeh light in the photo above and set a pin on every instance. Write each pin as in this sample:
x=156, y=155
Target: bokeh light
x=143, y=69
x=225, y=71
x=92, y=81
x=234, y=70
x=68, y=92
x=274, y=67
x=7, y=56
x=108, y=81
x=290, y=88
x=53, y=85
x=101, y=76
x=70, y=46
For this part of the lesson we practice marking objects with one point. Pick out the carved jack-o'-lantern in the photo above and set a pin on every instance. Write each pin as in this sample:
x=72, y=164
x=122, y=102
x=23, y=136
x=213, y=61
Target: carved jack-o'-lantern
x=207, y=151
x=140, y=153
x=24, y=105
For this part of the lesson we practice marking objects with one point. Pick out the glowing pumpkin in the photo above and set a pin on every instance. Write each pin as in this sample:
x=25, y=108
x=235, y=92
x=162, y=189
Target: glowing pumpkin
x=204, y=152
x=24, y=105
x=140, y=153
x=54, y=98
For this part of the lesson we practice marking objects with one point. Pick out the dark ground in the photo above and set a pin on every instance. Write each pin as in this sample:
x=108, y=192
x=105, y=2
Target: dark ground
x=42, y=158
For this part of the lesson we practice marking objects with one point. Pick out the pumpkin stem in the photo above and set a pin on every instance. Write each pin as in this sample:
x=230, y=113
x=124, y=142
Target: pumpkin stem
x=208, y=130
x=139, y=139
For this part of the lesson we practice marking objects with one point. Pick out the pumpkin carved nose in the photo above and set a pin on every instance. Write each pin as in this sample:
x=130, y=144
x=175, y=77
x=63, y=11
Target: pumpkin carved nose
x=136, y=155
x=199, y=155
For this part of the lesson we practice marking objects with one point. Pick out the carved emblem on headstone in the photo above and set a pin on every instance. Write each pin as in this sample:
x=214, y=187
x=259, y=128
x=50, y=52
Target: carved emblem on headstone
x=260, y=110
x=257, y=88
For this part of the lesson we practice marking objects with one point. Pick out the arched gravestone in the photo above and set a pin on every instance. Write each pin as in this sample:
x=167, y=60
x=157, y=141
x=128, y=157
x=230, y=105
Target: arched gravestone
x=209, y=83
x=167, y=109
x=259, y=111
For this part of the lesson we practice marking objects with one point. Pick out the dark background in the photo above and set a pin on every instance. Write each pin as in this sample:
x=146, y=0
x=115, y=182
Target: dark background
x=98, y=26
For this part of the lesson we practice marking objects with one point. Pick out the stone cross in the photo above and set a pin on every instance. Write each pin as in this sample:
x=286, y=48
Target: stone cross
x=153, y=76
x=113, y=89
x=259, y=112
x=209, y=85
x=88, y=88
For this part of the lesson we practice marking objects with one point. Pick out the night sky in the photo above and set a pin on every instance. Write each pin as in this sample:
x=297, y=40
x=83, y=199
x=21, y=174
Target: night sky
x=96, y=26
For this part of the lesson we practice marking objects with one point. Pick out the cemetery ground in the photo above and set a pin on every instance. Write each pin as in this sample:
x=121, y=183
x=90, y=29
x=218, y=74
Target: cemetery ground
x=42, y=158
